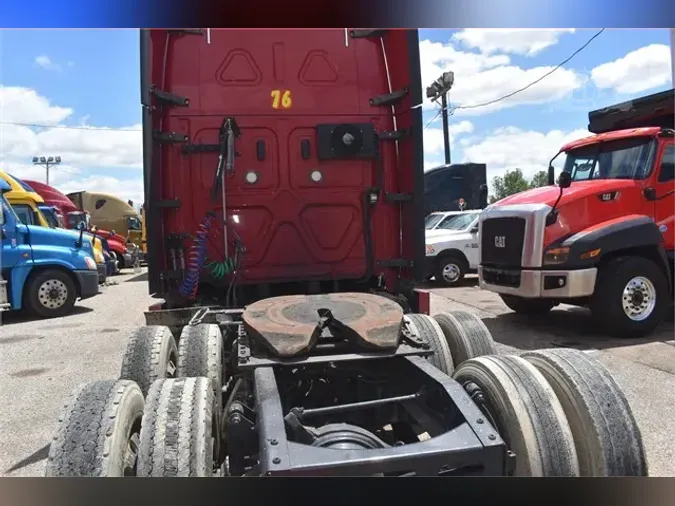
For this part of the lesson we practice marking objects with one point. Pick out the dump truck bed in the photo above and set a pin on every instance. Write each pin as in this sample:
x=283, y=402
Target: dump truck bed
x=654, y=110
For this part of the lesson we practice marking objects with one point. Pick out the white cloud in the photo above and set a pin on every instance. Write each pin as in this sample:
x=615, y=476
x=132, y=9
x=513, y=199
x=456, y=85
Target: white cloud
x=483, y=76
x=24, y=105
x=57, y=175
x=91, y=146
x=433, y=137
x=82, y=150
x=511, y=148
x=637, y=71
x=46, y=63
x=519, y=41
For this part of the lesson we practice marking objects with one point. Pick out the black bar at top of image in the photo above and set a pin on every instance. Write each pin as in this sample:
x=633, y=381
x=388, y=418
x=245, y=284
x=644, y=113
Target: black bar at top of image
x=342, y=492
x=396, y=14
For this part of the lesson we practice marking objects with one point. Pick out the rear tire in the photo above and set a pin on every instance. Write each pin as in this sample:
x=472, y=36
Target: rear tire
x=631, y=297
x=466, y=335
x=50, y=293
x=450, y=270
x=606, y=435
x=526, y=412
x=178, y=432
x=200, y=354
x=151, y=355
x=98, y=432
x=521, y=305
x=429, y=330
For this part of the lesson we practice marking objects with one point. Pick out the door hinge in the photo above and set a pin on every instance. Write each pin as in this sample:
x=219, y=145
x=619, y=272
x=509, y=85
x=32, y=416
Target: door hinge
x=186, y=31
x=389, y=98
x=393, y=135
x=395, y=262
x=169, y=98
x=169, y=137
x=364, y=34
x=398, y=197
x=168, y=204
x=189, y=149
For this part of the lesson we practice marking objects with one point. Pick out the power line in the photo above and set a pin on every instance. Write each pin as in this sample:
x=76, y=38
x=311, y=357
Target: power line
x=65, y=127
x=569, y=58
x=536, y=81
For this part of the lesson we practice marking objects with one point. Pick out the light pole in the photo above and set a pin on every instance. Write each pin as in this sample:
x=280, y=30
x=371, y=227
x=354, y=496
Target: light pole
x=47, y=162
x=439, y=89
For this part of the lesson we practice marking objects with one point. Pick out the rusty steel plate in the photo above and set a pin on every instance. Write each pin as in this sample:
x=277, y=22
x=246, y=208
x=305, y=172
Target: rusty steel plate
x=289, y=325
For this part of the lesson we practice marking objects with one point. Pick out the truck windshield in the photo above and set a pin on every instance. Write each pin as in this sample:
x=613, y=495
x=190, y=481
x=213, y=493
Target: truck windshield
x=75, y=218
x=432, y=220
x=50, y=215
x=6, y=210
x=133, y=223
x=620, y=159
x=458, y=221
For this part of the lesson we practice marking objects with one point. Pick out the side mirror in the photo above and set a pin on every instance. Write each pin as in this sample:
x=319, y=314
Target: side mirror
x=474, y=230
x=551, y=175
x=564, y=180
x=80, y=226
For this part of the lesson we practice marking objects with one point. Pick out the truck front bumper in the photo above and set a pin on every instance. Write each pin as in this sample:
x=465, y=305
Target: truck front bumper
x=88, y=281
x=539, y=284
x=102, y=272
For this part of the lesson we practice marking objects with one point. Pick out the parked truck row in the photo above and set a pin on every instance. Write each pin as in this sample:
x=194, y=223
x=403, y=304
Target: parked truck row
x=53, y=220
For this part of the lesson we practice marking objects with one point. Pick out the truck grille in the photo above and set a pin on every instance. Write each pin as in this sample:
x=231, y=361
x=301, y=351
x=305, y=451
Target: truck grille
x=502, y=242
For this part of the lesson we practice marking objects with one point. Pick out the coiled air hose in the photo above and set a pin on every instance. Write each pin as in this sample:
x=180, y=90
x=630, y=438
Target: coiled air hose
x=196, y=258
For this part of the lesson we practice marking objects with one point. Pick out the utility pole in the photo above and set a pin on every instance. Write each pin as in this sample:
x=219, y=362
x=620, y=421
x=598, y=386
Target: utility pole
x=440, y=89
x=47, y=162
x=672, y=55
x=446, y=132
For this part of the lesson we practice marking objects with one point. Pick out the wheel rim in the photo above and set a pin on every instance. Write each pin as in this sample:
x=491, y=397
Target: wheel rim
x=53, y=294
x=450, y=273
x=639, y=298
x=171, y=367
x=131, y=454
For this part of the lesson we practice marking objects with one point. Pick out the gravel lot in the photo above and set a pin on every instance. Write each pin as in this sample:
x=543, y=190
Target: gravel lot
x=42, y=361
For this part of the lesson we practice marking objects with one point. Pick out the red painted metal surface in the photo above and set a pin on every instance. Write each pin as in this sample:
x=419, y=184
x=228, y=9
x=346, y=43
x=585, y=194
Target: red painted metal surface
x=292, y=227
x=580, y=207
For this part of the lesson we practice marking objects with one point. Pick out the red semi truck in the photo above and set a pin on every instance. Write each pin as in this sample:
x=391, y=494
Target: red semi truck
x=72, y=216
x=285, y=224
x=604, y=237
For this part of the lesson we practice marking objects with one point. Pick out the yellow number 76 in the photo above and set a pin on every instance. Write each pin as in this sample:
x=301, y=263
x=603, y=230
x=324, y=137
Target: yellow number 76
x=281, y=98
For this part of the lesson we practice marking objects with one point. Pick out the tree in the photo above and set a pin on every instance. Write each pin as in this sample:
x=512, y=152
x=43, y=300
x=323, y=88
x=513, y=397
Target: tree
x=539, y=179
x=510, y=183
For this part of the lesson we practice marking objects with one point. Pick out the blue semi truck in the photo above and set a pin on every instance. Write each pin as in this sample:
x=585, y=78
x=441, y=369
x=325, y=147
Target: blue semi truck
x=43, y=270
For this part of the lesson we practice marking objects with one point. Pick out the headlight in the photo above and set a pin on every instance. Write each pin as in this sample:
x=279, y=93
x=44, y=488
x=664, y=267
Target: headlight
x=430, y=249
x=555, y=256
x=89, y=262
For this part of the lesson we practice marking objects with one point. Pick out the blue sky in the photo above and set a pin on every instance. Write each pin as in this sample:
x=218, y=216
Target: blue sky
x=91, y=78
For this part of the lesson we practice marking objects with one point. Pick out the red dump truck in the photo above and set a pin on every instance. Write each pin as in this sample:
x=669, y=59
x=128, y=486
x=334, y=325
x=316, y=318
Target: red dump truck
x=604, y=237
x=285, y=225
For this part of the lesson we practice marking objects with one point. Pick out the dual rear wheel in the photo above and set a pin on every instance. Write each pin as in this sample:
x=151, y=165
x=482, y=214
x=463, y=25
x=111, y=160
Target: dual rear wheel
x=161, y=418
x=559, y=411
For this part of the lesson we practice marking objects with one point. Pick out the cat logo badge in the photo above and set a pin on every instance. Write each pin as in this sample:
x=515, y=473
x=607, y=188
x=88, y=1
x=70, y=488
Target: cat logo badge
x=500, y=241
